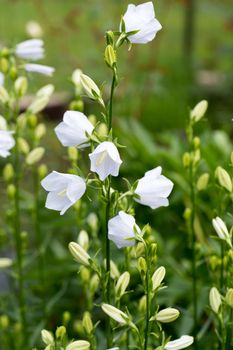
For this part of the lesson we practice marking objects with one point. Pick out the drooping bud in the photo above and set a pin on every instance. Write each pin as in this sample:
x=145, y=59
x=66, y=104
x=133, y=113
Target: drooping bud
x=167, y=315
x=215, y=299
x=79, y=254
x=223, y=178
x=158, y=277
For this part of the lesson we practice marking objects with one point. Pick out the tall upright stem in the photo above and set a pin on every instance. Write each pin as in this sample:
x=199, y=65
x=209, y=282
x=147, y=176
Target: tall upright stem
x=17, y=238
x=147, y=302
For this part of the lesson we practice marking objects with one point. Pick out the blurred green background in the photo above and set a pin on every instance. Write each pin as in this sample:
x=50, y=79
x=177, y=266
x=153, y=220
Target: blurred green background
x=185, y=63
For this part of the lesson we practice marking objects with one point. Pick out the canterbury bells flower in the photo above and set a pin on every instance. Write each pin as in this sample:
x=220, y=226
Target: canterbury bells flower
x=39, y=68
x=30, y=49
x=64, y=190
x=141, y=18
x=122, y=227
x=6, y=142
x=105, y=160
x=74, y=129
x=153, y=189
x=181, y=343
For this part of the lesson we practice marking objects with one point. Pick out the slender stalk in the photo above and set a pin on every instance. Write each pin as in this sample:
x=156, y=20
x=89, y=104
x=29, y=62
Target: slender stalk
x=222, y=267
x=147, y=302
x=17, y=237
x=111, y=101
x=230, y=331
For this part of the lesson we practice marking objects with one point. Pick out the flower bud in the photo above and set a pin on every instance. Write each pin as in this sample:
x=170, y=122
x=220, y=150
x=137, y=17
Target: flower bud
x=92, y=221
x=167, y=315
x=142, y=266
x=40, y=131
x=23, y=145
x=47, y=337
x=110, y=56
x=66, y=317
x=78, y=345
x=115, y=314
x=196, y=142
x=158, y=277
x=79, y=254
x=202, y=182
x=142, y=304
x=4, y=97
x=32, y=120
x=38, y=104
x=60, y=332
x=5, y=263
x=87, y=323
x=122, y=284
x=11, y=191
x=92, y=119
x=223, y=178
x=3, y=123
x=229, y=297
x=4, y=322
x=84, y=274
x=8, y=172
x=114, y=272
x=46, y=90
x=214, y=262
x=75, y=78
x=13, y=72
x=102, y=130
x=186, y=160
x=198, y=111
x=187, y=213
x=215, y=299
x=35, y=155
x=110, y=37
x=42, y=171
x=83, y=239
x=183, y=342
x=221, y=230
x=73, y=153
x=94, y=283
x=139, y=249
x=91, y=88
x=77, y=105
x=4, y=65
x=21, y=86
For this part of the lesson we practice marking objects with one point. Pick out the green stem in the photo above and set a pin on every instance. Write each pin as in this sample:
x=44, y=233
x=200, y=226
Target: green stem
x=17, y=237
x=230, y=331
x=113, y=85
x=194, y=263
x=222, y=267
x=147, y=291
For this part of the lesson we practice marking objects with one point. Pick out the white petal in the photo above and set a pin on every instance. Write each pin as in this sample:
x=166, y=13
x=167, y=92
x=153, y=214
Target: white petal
x=39, y=68
x=146, y=10
x=30, y=43
x=57, y=202
x=55, y=181
x=76, y=189
x=181, y=343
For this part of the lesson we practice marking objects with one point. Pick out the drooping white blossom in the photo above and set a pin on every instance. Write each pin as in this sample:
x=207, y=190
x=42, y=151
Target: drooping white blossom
x=153, y=189
x=7, y=142
x=121, y=228
x=2, y=79
x=32, y=49
x=39, y=68
x=141, y=18
x=64, y=190
x=105, y=160
x=74, y=129
x=181, y=343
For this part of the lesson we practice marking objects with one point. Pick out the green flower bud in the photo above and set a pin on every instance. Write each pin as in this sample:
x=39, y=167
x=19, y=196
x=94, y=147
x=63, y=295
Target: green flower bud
x=8, y=172
x=42, y=171
x=196, y=142
x=4, y=65
x=47, y=337
x=214, y=262
x=102, y=130
x=87, y=323
x=35, y=155
x=110, y=37
x=4, y=96
x=223, y=178
x=23, y=145
x=91, y=88
x=38, y=104
x=11, y=191
x=84, y=274
x=202, y=182
x=83, y=239
x=78, y=326
x=3, y=123
x=77, y=105
x=78, y=345
x=139, y=249
x=94, y=283
x=114, y=272
x=142, y=304
x=21, y=85
x=215, y=299
x=229, y=297
x=158, y=277
x=187, y=214
x=13, y=72
x=92, y=221
x=60, y=332
x=73, y=153
x=186, y=160
x=115, y=314
x=66, y=317
x=142, y=266
x=110, y=56
x=4, y=322
x=17, y=328
x=32, y=121
x=92, y=119
x=79, y=254
x=40, y=131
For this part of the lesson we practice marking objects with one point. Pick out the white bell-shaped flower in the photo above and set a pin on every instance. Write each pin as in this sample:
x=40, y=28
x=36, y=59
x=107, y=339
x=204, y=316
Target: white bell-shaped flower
x=141, y=18
x=64, y=190
x=73, y=130
x=121, y=228
x=39, y=68
x=181, y=343
x=105, y=160
x=153, y=189
x=32, y=49
x=7, y=142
